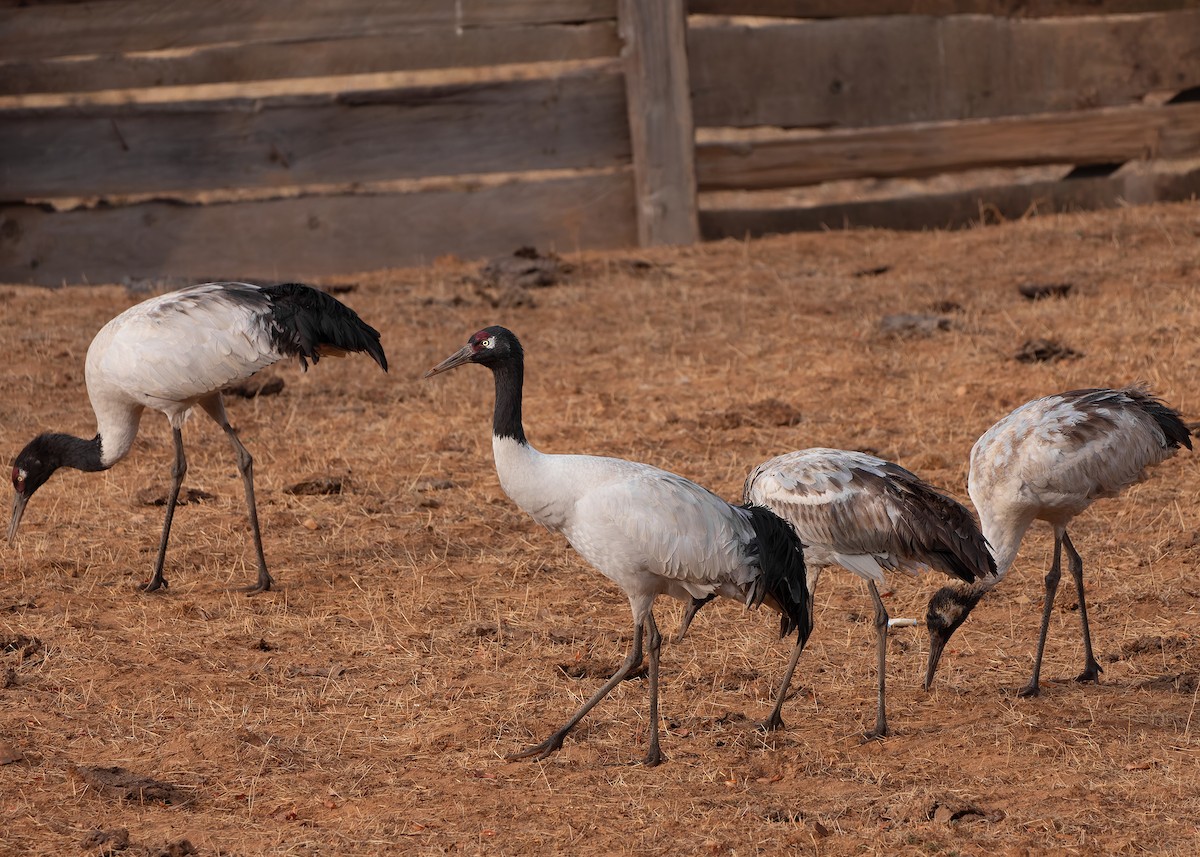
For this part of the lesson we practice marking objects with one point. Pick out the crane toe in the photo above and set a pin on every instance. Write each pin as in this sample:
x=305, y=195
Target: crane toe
x=771, y=724
x=258, y=586
x=538, y=751
x=654, y=758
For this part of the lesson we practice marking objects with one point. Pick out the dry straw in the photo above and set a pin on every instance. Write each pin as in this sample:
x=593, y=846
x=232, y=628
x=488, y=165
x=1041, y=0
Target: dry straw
x=424, y=627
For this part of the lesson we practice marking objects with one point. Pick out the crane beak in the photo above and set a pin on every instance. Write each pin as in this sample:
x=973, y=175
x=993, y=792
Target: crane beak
x=18, y=509
x=458, y=358
x=937, y=644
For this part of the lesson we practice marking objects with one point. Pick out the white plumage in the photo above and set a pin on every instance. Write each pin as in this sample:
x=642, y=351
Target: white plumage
x=869, y=516
x=176, y=351
x=171, y=352
x=649, y=531
x=1049, y=460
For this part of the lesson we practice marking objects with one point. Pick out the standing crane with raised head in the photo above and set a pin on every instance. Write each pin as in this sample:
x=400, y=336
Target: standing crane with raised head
x=648, y=531
x=1049, y=460
x=868, y=516
x=176, y=351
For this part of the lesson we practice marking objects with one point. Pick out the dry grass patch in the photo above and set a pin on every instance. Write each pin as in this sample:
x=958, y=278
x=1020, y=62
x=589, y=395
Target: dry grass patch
x=424, y=627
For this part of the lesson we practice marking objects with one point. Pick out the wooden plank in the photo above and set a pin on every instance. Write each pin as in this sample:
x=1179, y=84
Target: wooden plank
x=954, y=210
x=660, y=120
x=1109, y=135
x=406, y=51
x=10, y=3
x=889, y=71
x=861, y=8
x=575, y=121
x=121, y=26
x=312, y=236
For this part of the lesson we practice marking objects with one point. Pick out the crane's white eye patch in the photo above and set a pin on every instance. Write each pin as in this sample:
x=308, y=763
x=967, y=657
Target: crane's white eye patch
x=488, y=343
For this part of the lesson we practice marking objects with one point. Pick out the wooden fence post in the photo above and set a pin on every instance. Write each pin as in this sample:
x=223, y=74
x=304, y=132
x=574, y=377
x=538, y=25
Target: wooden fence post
x=660, y=119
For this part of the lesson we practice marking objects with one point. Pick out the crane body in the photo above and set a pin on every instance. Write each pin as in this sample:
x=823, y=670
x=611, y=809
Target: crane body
x=177, y=351
x=649, y=531
x=869, y=516
x=1049, y=460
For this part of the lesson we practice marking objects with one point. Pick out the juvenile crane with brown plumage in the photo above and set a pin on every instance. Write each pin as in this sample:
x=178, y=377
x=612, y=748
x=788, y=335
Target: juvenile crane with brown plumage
x=869, y=516
x=1049, y=460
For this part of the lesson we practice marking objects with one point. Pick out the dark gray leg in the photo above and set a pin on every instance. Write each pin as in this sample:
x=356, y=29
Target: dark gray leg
x=1052, y=578
x=178, y=470
x=654, y=755
x=881, y=633
x=775, y=720
x=1091, y=669
x=245, y=463
x=555, y=741
x=690, y=613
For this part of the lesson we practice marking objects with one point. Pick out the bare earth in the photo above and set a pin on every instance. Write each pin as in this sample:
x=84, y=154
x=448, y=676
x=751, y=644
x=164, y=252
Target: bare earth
x=424, y=627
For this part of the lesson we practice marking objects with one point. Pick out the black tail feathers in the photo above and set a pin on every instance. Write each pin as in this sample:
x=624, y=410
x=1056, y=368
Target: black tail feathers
x=784, y=581
x=307, y=319
x=1168, y=419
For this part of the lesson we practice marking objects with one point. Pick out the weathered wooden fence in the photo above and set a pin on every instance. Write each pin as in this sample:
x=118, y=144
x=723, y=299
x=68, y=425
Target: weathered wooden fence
x=908, y=88
x=292, y=138
x=286, y=138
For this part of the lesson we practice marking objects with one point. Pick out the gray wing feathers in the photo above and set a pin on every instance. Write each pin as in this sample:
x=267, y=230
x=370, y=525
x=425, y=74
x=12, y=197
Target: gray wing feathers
x=1084, y=444
x=870, y=514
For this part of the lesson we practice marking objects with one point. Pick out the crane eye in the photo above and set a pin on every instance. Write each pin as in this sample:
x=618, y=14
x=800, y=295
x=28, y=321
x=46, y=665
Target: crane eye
x=488, y=343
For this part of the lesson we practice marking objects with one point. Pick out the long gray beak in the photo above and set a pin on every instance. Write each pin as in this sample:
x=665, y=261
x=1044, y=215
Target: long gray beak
x=937, y=645
x=458, y=358
x=18, y=509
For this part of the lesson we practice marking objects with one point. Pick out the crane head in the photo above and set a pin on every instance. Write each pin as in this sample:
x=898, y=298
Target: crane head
x=948, y=608
x=487, y=347
x=36, y=462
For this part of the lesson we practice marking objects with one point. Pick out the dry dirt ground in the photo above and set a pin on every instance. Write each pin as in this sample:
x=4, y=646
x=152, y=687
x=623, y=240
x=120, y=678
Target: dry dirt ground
x=424, y=627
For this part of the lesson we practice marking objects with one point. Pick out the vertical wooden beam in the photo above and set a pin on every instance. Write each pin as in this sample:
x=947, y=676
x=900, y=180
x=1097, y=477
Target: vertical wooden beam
x=660, y=119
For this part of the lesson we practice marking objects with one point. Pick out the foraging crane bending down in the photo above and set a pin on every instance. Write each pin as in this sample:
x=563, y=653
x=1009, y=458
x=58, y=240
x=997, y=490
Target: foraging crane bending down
x=176, y=351
x=1049, y=460
x=648, y=531
x=868, y=516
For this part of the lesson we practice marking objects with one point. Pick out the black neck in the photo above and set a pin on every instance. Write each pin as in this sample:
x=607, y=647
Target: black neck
x=510, y=376
x=76, y=452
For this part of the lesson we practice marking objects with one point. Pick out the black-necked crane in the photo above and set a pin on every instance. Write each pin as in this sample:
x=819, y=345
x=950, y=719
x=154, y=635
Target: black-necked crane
x=648, y=531
x=1048, y=461
x=176, y=351
x=868, y=516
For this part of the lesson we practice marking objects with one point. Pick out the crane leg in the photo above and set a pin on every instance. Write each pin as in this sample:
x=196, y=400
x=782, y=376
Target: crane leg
x=689, y=614
x=178, y=470
x=1052, y=578
x=654, y=755
x=881, y=634
x=1091, y=669
x=245, y=463
x=775, y=720
x=555, y=741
